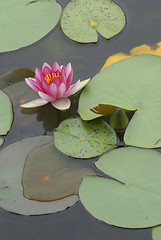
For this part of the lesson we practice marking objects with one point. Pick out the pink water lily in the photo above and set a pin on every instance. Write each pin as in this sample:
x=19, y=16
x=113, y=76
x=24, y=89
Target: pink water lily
x=53, y=84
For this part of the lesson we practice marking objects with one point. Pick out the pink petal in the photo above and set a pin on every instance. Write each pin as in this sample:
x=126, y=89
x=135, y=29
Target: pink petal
x=46, y=97
x=38, y=82
x=33, y=84
x=56, y=67
x=39, y=74
x=61, y=90
x=57, y=81
x=46, y=71
x=69, y=79
x=62, y=103
x=72, y=88
x=68, y=69
x=45, y=87
x=35, y=103
x=77, y=86
x=52, y=90
x=63, y=75
x=46, y=66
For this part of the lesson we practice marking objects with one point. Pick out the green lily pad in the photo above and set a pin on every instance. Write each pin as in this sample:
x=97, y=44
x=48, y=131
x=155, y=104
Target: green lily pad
x=81, y=139
x=1, y=141
x=6, y=114
x=132, y=199
x=132, y=84
x=25, y=22
x=48, y=175
x=81, y=20
x=12, y=159
x=156, y=233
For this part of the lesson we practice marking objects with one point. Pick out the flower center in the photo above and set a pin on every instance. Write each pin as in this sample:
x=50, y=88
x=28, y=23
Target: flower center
x=50, y=77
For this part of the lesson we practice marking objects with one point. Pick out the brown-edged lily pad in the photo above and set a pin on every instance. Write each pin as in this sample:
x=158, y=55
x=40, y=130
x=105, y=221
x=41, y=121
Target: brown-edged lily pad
x=132, y=84
x=49, y=175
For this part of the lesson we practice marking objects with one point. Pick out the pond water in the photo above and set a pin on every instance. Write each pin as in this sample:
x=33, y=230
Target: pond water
x=143, y=26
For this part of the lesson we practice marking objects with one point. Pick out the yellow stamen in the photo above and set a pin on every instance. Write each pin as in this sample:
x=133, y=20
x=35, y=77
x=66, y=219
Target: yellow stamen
x=51, y=77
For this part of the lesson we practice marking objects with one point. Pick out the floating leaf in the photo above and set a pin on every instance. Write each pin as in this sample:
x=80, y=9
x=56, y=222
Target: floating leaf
x=6, y=114
x=81, y=139
x=81, y=20
x=15, y=76
x=25, y=22
x=114, y=59
x=48, y=175
x=14, y=86
x=152, y=49
x=133, y=84
x=12, y=159
x=1, y=141
x=133, y=200
x=156, y=233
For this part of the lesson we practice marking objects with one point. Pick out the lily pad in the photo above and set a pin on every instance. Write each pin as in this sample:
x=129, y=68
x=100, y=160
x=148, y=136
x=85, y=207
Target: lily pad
x=15, y=76
x=156, y=233
x=6, y=114
x=132, y=199
x=25, y=22
x=1, y=141
x=152, y=49
x=48, y=175
x=81, y=20
x=132, y=84
x=12, y=159
x=81, y=139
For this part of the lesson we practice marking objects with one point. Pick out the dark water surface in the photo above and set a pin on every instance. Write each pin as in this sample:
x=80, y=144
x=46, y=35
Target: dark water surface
x=143, y=26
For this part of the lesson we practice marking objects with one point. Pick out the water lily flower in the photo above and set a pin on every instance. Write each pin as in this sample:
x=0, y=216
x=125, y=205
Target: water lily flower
x=53, y=84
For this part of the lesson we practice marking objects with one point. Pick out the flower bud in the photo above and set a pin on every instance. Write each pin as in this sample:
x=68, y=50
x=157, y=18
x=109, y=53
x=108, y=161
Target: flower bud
x=119, y=119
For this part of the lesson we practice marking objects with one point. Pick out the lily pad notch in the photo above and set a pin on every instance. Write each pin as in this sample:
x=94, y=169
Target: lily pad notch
x=82, y=19
x=132, y=198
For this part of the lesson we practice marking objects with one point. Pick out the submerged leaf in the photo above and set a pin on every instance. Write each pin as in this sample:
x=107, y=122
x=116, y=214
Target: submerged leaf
x=133, y=84
x=12, y=160
x=48, y=175
x=37, y=19
x=132, y=199
x=81, y=20
x=15, y=76
x=81, y=139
